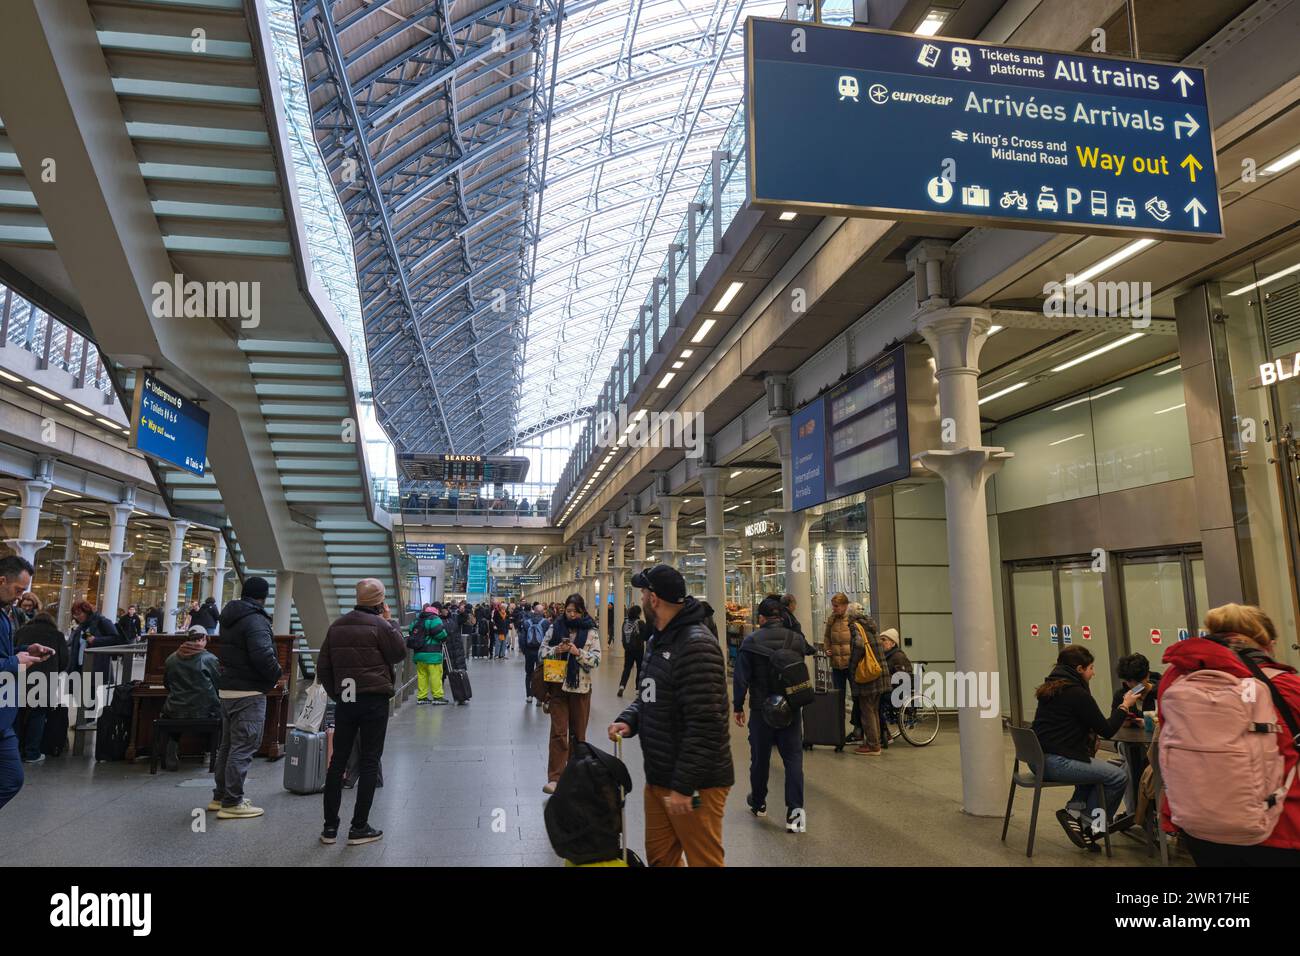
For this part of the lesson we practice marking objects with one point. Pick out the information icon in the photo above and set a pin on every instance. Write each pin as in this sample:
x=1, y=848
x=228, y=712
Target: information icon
x=939, y=189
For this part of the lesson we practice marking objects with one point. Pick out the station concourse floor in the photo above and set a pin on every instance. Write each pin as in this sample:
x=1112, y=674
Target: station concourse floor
x=448, y=770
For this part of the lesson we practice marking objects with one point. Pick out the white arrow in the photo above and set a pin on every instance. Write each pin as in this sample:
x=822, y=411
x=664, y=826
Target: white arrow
x=1196, y=209
x=1188, y=124
x=1184, y=81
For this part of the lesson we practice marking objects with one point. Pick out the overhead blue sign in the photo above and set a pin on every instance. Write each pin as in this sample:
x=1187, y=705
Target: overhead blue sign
x=168, y=426
x=863, y=122
x=808, y=450
x=426, y=551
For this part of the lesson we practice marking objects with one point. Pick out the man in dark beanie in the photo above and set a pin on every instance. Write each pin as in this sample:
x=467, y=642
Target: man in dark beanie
x=248, y=670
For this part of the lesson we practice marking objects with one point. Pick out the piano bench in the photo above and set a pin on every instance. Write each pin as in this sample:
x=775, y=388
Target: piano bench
x=165, y=727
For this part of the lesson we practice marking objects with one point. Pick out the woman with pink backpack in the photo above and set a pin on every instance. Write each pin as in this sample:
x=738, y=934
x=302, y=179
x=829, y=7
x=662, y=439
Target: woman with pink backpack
x=1227, y=744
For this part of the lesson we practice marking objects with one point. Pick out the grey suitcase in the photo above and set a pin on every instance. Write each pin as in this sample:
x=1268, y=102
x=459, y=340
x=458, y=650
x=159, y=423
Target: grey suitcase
x=304, y=761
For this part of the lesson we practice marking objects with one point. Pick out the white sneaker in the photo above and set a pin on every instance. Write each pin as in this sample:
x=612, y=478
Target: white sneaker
x=243, y=811
x=549, y=788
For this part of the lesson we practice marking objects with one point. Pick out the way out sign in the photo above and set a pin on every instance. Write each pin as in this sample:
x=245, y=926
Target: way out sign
x=1155, y=635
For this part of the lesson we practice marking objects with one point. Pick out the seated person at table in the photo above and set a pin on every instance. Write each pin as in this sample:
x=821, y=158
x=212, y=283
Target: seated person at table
x=191, y=680
x=1066, y=717
x=1133, y=670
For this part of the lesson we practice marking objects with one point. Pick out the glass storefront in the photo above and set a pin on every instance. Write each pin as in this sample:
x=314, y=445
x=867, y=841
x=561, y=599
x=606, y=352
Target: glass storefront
x=1259, y=305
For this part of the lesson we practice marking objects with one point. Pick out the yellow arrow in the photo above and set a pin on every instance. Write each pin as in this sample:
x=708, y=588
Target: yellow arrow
x=1192, y=165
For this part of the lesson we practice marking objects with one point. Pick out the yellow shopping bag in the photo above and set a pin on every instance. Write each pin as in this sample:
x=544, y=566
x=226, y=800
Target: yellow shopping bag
x=554, y=670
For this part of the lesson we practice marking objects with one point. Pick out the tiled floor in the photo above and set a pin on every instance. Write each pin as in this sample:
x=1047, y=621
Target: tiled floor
x=464, y=788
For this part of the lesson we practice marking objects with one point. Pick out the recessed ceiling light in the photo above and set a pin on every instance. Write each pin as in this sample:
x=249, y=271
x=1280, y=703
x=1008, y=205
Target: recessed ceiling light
x=1284, y=161
x=79, y=410
x=1112, y=260
x=1089, y=398
x=44, y=394
x=1005, y=391
x=1267, y=279
x=687, y=353
x=994, y=329
x=1062, y=441
x=788, y=216
x=663, y=382
x=933, y=21
x=1168, y=370
x=1171, y=408
x=11, y=378
x=705, y=327
x=1099, y=351
x=727, y=296
x=679, y=365
x=737, y=472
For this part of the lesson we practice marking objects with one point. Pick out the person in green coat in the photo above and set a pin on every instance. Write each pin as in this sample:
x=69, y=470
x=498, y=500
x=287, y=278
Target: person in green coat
x=191, y=675
x=428, y=638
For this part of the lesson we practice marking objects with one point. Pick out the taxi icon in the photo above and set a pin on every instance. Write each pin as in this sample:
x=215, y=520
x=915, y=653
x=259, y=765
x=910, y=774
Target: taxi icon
x=1125, y=208
x=848, y=88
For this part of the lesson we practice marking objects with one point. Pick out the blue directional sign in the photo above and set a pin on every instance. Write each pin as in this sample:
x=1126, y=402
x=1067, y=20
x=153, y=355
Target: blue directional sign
x=848, y=121
x=426, y=551
x=166, y=425
x=808, y=450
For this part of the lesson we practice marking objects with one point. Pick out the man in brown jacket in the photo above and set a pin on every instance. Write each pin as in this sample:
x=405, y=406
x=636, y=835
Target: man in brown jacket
x=356, y=669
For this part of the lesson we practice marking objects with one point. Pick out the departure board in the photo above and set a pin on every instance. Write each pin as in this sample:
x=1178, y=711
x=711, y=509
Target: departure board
x=866, y=428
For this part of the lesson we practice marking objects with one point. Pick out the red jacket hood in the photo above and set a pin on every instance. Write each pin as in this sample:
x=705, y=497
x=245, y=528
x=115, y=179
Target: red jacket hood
x=1198, y=654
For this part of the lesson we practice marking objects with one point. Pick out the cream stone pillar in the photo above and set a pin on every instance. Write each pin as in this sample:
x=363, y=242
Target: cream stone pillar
x=174, y=565
x=33, y=494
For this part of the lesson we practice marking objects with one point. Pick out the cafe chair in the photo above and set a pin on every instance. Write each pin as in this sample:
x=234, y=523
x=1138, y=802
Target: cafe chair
x=1159, y=836
x=1030, y=752
x=165, y=727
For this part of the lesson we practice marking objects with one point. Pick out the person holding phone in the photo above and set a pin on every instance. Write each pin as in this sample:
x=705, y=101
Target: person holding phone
x=1066, y=717
x=15, y=580
x=1135, y=670
x=574, y=639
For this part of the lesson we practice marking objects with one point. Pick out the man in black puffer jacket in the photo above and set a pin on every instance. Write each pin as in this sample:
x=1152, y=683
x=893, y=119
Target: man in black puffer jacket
x=249, y=669
x=681, y=715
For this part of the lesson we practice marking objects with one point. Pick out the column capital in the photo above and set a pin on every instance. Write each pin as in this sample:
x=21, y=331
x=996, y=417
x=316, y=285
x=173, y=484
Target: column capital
x=970, y=465
x=955, y=334
x=110, y=557
x=712, y=478
x=778, y=427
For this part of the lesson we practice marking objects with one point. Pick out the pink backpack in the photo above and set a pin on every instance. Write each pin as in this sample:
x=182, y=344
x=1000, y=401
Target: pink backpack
x=1224, y=776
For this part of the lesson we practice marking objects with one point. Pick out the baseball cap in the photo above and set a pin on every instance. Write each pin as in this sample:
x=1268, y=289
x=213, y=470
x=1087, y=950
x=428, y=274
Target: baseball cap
x=663, y=581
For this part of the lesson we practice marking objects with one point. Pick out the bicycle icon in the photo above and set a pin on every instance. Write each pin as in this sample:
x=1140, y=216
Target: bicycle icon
x=1015, y=198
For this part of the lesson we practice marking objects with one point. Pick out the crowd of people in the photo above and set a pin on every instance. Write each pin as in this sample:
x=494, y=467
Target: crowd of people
x=1236, y=802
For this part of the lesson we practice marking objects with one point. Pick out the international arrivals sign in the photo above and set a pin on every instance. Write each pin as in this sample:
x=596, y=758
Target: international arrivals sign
x=849, y=121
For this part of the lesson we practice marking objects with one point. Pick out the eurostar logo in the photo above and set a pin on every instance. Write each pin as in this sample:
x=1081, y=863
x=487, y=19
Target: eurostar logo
x=879, y=94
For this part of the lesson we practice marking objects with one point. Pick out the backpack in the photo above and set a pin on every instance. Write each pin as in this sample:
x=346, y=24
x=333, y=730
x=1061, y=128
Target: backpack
x=1223, y=772
x=420, y=639
x=790, y=676
x=534, y=633
x=113, y=727
x=584, y=818
x=630, y=630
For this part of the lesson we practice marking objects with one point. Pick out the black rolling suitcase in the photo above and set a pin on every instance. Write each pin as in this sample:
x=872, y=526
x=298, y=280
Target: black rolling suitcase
x=482, y=645
x=460, y=689
x=823, y=721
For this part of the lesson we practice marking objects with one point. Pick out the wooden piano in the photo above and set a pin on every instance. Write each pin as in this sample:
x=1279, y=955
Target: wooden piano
x=150, y=695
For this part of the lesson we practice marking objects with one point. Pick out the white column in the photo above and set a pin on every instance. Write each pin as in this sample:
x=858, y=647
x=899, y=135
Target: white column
x=33, y=493
x=205, y=579
x=794, y=525
x=670, y=509
x=282, y=612
x=115, y=558
x=68, y=574
x=618, y=584
x=174, y=565
x=591, y=570
x=219, y=571
x=640, y=531
x=955, y=336
x=713, y=481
